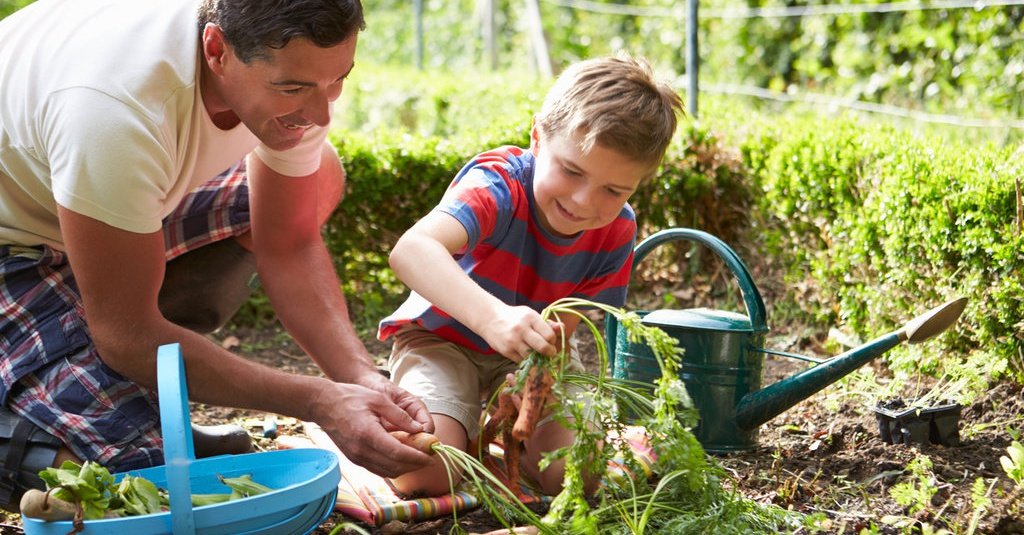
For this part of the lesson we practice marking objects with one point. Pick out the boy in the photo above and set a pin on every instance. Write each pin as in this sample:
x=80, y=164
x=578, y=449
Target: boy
x=517, y=230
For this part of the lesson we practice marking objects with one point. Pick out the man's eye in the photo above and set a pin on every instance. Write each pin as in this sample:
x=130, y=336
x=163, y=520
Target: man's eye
x=294, y=91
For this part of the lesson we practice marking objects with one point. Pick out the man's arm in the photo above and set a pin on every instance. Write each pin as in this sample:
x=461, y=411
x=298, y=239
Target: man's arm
x=296, y=269
x=119, y=274
x=511, y=331
x=298, y=275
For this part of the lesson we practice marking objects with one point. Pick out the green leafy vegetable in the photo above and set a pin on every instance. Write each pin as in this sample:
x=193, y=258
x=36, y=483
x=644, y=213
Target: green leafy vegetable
x=94, y=488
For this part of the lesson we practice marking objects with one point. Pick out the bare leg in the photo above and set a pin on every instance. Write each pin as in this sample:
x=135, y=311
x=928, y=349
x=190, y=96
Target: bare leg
x=433, y=479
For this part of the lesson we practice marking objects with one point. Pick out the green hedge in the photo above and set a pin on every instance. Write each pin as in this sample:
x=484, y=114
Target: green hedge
x=886, y=224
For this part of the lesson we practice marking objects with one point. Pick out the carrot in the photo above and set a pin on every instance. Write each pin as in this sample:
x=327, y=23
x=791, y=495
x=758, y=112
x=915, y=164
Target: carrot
x=506, y=411
x=535, y=393
x=39, y=504
x=422, y=441
x=512, y=452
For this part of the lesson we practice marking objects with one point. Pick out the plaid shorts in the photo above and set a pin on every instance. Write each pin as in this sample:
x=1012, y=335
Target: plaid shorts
x=50, y=372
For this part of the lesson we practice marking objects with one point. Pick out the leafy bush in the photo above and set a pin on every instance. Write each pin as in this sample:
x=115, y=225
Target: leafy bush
x=887, y=225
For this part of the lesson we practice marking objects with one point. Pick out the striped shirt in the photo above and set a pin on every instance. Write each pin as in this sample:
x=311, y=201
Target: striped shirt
x=512, y=256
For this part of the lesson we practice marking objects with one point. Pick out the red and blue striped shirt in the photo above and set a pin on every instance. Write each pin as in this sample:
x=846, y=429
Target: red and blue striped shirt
x=512, y=256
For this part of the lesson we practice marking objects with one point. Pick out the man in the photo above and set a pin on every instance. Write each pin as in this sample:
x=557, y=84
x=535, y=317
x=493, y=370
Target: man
x=120, y=230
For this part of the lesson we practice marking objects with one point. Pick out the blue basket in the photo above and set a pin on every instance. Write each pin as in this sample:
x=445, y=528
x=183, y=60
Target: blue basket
x=305, y=481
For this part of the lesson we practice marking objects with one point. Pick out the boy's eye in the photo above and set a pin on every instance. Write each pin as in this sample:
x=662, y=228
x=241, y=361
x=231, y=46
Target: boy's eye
x=570, y=172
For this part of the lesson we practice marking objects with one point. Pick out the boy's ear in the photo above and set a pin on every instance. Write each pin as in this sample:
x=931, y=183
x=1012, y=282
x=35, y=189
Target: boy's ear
x=534, y=135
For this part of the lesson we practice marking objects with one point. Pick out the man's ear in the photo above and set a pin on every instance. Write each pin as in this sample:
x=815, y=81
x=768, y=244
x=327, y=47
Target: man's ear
x=215, y=48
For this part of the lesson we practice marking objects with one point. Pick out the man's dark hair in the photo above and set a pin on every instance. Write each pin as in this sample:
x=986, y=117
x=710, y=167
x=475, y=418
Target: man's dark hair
x=252, y=27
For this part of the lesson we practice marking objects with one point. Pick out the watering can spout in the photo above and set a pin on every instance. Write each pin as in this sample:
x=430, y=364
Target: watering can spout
x=758, y=407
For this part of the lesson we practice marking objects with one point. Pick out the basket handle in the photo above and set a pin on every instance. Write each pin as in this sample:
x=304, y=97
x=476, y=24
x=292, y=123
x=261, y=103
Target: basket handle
x=751, y=297
x=179, y=451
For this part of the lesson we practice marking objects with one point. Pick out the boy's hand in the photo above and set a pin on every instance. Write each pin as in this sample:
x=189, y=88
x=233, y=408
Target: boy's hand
x=515, y=331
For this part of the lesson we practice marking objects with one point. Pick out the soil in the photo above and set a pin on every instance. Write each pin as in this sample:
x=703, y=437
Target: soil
x=822, y=456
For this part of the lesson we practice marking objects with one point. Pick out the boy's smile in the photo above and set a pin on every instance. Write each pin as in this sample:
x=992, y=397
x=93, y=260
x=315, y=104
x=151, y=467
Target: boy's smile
x=576, y=191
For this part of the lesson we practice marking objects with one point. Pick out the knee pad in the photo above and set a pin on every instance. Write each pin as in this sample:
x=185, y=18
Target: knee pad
x=25, y=450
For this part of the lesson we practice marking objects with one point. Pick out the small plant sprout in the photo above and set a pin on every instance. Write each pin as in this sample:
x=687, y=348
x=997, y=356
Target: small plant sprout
x=980, y=502
x=1013, y=464
x=962, y=382
x=916, y=494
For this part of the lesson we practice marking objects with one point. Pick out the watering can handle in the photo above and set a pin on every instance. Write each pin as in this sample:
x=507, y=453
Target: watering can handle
x=751, y=297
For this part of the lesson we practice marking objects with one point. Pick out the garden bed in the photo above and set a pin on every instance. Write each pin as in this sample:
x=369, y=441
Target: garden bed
x=825, y=455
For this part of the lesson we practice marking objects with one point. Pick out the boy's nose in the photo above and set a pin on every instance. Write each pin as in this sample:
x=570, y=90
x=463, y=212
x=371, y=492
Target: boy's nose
x=582, y=197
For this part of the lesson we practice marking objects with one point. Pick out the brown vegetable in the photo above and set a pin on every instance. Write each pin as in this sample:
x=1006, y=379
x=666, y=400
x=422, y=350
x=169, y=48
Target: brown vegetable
x=505, y=412
x=512, y=453
x=422, y=441
x=534, y=398
x=39, y=504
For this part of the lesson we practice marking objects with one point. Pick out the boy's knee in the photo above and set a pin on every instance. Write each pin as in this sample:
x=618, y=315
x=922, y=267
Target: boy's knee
x=426, y=482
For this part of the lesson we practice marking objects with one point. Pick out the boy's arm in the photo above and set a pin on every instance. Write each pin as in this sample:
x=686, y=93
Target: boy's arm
x=422, y=259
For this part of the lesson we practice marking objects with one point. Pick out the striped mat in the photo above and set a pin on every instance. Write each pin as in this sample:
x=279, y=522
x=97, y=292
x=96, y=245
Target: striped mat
x=369, y=498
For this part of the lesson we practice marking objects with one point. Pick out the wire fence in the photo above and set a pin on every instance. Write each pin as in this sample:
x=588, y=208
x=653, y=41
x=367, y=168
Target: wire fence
x=680, y=13
x=781, y=11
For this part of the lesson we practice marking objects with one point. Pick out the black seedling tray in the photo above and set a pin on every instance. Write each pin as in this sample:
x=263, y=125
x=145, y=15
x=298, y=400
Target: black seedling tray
x=900, y=424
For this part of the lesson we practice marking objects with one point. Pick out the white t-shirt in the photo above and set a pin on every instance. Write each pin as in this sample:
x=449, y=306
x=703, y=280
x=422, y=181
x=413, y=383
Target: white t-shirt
x=100, y=112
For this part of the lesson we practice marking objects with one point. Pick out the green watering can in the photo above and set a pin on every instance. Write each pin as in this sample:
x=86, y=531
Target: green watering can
x=722, y=366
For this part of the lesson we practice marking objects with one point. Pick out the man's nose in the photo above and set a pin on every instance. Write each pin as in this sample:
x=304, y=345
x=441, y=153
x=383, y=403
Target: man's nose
x=318, y=109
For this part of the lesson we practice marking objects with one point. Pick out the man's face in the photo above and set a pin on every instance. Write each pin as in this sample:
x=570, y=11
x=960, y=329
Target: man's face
x=577, y=191
x=280, y=97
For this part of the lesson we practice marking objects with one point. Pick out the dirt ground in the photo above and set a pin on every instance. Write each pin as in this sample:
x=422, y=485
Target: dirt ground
x=824, y=455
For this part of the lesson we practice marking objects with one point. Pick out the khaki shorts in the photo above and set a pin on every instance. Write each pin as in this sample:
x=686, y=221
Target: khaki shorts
x=450, y=379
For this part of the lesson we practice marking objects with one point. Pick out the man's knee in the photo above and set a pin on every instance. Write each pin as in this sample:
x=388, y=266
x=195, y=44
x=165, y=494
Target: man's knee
x=204, y=288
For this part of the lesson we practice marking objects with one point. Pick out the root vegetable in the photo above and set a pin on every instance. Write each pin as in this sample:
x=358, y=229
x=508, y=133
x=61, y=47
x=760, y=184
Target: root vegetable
x=422, y=441
x=505, y=413
x=534, y=398
x=512, y=453
x=39, y=504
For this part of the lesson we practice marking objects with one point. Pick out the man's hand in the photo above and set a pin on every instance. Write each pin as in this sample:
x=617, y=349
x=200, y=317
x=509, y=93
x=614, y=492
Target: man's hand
x=358, y=420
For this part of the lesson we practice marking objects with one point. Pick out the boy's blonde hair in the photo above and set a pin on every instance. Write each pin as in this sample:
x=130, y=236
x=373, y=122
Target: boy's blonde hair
x=615, y=102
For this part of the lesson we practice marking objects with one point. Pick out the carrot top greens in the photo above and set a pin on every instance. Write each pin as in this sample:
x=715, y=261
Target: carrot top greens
x=686, y=491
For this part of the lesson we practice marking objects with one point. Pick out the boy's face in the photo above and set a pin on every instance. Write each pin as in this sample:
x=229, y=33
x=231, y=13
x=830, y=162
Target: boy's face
x=577, y=191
